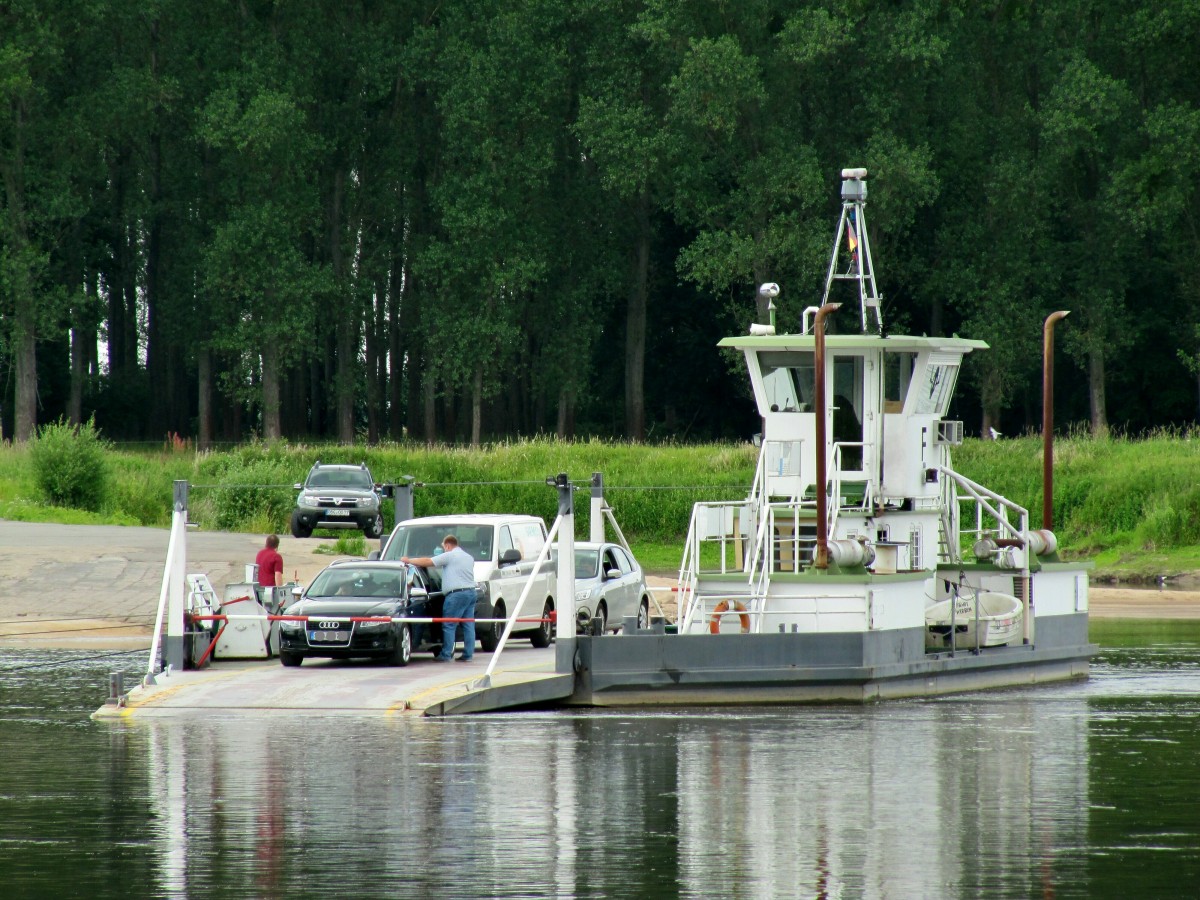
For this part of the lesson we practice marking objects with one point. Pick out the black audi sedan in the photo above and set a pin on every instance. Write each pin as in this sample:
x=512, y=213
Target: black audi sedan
x=347, y=593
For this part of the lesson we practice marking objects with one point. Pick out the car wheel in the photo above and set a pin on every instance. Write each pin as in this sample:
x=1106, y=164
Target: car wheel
x=545, y=631
x=402, y=651
x=290, y=659
x=299, y=529
x=644, y=613
x=374, y=528
x=489, y=638
x=600, y=619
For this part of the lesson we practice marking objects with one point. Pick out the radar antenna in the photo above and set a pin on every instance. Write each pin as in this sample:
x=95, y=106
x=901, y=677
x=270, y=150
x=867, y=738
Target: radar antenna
x=861, y=269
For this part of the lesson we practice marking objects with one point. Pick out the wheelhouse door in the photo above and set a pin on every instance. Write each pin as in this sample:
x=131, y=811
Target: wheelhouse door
x=848, y=413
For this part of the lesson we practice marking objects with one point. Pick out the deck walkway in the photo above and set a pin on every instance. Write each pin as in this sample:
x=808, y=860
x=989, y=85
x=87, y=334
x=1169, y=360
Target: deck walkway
x=341, y=688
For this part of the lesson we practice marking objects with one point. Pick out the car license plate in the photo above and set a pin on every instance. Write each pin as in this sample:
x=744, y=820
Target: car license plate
x=338, y=636
x=338, y=512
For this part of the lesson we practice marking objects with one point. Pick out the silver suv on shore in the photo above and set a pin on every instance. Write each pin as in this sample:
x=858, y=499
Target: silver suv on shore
x=337, y=496
x=505, y=548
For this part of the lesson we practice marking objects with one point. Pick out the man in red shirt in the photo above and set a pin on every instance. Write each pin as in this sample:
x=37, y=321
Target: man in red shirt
x=270, y=563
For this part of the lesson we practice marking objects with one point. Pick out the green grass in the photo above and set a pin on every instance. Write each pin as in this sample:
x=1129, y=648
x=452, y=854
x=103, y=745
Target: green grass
x=1131, y=505
x=347, y=544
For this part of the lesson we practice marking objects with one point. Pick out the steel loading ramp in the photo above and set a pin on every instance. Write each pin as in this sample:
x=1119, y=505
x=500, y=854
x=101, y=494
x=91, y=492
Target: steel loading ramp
x=508, y=690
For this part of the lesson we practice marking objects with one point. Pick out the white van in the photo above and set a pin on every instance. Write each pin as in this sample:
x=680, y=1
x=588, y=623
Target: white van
x=504, y=548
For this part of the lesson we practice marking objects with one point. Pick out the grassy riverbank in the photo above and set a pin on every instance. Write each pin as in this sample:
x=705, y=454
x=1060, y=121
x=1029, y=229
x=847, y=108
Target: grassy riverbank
x=1134, y=506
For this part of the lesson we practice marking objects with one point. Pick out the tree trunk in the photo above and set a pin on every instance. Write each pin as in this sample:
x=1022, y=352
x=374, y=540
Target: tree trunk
x=566, y=413
x=348, y=321
x=935, y=315
x=375, y=360
x=1096, y=397
x=25, y=364
x=159, y=365
x=1198, y=396
x=270, y=392
x=635, y=330
x=204, y=378
x=396, y=367
x=477, y=405
x=429, y=401
x=20, y=284
x=450, y=417
x=83, y=348
x=75, y=398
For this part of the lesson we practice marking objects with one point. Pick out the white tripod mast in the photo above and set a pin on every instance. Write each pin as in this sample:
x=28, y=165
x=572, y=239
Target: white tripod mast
x=853, y=226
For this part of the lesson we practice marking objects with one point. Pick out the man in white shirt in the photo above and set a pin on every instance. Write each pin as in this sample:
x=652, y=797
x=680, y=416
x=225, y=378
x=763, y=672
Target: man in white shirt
x=458, y=585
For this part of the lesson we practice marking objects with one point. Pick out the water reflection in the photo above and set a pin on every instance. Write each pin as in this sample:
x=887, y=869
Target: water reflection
x=908, y=799
x=1063, y=791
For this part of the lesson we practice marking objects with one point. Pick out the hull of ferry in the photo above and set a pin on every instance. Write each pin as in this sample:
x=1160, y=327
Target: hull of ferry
x=849, y=641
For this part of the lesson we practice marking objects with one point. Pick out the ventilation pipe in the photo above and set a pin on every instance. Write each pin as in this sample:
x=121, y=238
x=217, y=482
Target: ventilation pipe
x=1048, y=417
x=822, y=560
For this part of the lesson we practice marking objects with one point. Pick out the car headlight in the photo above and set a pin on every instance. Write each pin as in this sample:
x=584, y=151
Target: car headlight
x=290, y=625
x=374, y=626
x=365, y=501
x=482, y=592
x=583, y=596
x=308, y=499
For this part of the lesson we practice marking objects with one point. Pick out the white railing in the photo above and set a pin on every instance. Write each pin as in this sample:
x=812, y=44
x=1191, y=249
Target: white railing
x=728, y=536
x=689, y=570
x=992, y=504
x=755, y=532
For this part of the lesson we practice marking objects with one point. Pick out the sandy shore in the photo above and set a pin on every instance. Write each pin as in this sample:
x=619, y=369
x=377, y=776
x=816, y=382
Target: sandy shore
x=1142, y=603
x=97, y=587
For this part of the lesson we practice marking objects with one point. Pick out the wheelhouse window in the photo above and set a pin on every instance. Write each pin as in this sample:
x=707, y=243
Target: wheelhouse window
x=897, y=376
x=788, y=380
x=936, y=389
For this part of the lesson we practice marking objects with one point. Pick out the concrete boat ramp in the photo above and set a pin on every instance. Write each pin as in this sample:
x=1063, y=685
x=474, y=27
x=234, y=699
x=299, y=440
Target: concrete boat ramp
x=347, y=688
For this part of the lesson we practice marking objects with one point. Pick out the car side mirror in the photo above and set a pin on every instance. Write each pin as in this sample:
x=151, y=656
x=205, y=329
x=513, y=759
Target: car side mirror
x=296, y=592
x=374, y=554
x=612, y=573
x=417, y=593
x=297, y=487
x=510, y=556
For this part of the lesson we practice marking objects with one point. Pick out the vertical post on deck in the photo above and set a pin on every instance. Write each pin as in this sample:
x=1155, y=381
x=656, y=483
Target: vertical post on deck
x=177, y=573
x=596, y=532
x=404, y=500
x=564, y=657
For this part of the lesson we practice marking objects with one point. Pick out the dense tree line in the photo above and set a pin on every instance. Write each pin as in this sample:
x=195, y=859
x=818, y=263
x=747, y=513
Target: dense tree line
x=456, y=221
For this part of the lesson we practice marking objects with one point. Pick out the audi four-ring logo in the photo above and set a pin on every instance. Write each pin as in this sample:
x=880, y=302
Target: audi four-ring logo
x=328, y=626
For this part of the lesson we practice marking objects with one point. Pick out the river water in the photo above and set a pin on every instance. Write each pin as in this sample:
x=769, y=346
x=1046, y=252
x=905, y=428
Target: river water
x=1081, y=790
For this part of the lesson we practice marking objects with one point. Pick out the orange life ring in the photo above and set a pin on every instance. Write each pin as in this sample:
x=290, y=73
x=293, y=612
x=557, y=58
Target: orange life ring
x=714, y=624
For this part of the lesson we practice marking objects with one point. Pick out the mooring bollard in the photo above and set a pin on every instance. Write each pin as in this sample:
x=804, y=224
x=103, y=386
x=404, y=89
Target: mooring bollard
x=116, y=688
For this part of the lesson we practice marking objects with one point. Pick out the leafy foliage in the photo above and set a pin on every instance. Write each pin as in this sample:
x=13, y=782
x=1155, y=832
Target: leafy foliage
x=325, y=220
x=70, y=465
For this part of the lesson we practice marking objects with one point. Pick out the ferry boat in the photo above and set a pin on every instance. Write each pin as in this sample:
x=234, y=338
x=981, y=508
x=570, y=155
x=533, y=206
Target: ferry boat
x=861, y=565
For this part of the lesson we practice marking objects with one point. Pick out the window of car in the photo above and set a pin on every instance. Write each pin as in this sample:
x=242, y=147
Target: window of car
x=505, y=541
x=623, y=560
x=585, y=563
x=529, y=538
x=415, y=540
x=610, y=561
x=356, y=479
x=343, y=582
